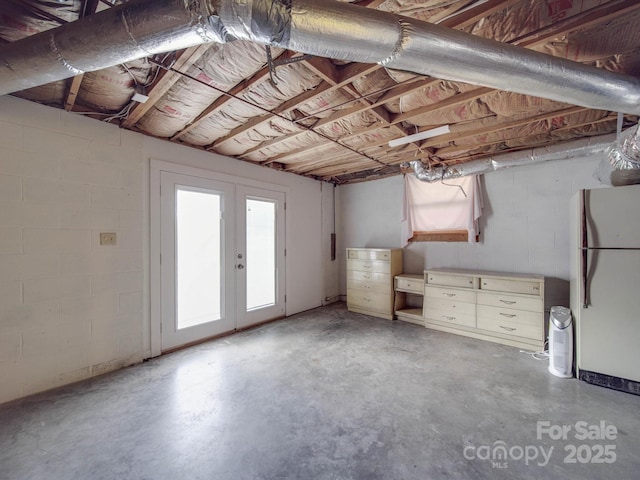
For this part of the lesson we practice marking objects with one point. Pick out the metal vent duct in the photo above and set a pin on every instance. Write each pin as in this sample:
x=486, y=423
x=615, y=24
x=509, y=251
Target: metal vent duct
x=621, y=166
x=564, y=151
x=325, y=28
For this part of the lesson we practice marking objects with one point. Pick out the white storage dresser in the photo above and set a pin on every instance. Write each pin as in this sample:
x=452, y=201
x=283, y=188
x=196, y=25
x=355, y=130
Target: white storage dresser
x=407, y=286
x=370, y=274
x=499, y=307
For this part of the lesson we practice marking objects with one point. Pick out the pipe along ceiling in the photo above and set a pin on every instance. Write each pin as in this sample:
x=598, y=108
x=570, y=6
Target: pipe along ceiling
x=324, y=28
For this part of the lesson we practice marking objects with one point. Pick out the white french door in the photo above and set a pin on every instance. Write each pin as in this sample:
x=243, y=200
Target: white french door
x=221, y=257
x=260, y=257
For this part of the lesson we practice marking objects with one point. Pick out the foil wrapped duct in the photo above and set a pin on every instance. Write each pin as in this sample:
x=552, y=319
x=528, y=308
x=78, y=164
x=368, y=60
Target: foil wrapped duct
x=343, y=31
x=261, y=21
x=621, y=166
x=117, y=35
x=564, y=151
x=326, y=28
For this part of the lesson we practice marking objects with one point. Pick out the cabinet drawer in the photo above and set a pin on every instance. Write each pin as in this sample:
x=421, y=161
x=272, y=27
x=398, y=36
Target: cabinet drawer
x=450, y=294
x=511, y=286
x=369, y=266
x=532, y=304
x=511, y=315
x=449, y=316
x=450, y=280
x=449, y=305
x=378, y=287
x=369, y=300
x=507, y=327
x=406, y=284
x=369, y=255
x=367, y=276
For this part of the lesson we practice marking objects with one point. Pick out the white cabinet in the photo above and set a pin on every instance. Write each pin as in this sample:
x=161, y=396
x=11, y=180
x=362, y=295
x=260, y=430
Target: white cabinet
x=499, y=307
x=370, y=276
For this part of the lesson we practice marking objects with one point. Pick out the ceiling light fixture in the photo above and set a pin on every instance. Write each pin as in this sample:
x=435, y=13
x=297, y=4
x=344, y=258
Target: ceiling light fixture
x=434, y=132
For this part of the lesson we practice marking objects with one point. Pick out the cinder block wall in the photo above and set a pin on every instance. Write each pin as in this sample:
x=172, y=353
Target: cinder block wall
x=69, y=307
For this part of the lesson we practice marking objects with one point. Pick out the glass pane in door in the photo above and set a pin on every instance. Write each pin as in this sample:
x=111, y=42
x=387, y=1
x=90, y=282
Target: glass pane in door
x=198, y=257
x=261, y=253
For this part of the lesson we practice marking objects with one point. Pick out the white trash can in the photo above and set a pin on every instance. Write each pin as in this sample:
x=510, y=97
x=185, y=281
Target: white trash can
x=561, y=342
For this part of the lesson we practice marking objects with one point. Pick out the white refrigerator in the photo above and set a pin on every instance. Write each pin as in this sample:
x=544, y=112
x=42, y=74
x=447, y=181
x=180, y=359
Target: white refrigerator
x=605, y=286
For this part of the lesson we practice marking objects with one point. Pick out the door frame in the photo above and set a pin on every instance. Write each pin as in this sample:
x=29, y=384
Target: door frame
x=155, y=286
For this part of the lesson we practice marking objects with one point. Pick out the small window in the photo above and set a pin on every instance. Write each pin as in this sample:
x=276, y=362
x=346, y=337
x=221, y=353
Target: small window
x=442, y=211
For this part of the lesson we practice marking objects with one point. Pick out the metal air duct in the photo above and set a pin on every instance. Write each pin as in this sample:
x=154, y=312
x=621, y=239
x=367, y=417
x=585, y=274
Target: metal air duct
x=319, y=27
x=621, y=166
x=127, y=32
x=565, y=151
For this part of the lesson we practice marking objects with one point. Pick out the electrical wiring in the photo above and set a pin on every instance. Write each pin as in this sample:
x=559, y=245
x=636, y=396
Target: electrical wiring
x=450, y=185
x=135, y=80
x=157, y=72
x=124, y=113
x=541, y=354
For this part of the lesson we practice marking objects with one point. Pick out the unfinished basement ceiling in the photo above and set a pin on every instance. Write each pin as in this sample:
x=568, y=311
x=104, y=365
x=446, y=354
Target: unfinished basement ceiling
x=332, y=120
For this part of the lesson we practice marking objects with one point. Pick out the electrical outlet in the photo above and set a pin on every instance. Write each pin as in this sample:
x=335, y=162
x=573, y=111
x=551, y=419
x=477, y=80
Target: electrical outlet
x=108, y=238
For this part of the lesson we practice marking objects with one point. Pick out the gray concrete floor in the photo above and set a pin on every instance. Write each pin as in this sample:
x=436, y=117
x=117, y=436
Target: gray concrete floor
x=326, y=394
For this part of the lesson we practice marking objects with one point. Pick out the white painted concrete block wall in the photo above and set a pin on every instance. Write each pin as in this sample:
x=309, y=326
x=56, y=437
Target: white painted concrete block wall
x=525, y=227
x=69, y=308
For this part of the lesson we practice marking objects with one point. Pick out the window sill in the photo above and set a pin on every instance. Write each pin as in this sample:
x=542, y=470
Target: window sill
x=442, y=236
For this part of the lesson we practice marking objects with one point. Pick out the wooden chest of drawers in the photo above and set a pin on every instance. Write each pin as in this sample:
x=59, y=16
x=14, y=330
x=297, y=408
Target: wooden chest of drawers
x=370, y=274
x=503, y=308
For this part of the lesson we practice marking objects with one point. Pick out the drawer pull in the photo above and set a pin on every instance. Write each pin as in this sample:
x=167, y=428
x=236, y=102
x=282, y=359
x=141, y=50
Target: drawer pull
x=508, y=302
x=508, y=329
x=366, y=265
x=367, y=277
x=449, y=318
x=448, y=294
x=408, y=284
x=508, y=315
x=366, y=299
x=366, y=285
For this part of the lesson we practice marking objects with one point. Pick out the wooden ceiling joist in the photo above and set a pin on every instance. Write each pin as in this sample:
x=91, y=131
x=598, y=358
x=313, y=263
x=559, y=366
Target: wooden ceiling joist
x=468, y=17
x=589, y=18
x=72, y=94
x=166, y=80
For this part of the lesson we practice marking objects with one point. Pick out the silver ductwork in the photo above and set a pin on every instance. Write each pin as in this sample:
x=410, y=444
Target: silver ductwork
x=319, y=27
x=565, y=151
x=621, y=166
x=343, y=31
x=121, y=34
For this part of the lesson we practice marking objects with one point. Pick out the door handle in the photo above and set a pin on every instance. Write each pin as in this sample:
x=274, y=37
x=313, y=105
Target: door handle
x=240, y=266
x=585, y=252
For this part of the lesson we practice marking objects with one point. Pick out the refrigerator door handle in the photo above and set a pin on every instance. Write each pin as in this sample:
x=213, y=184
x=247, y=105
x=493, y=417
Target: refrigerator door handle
x=585, y=253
